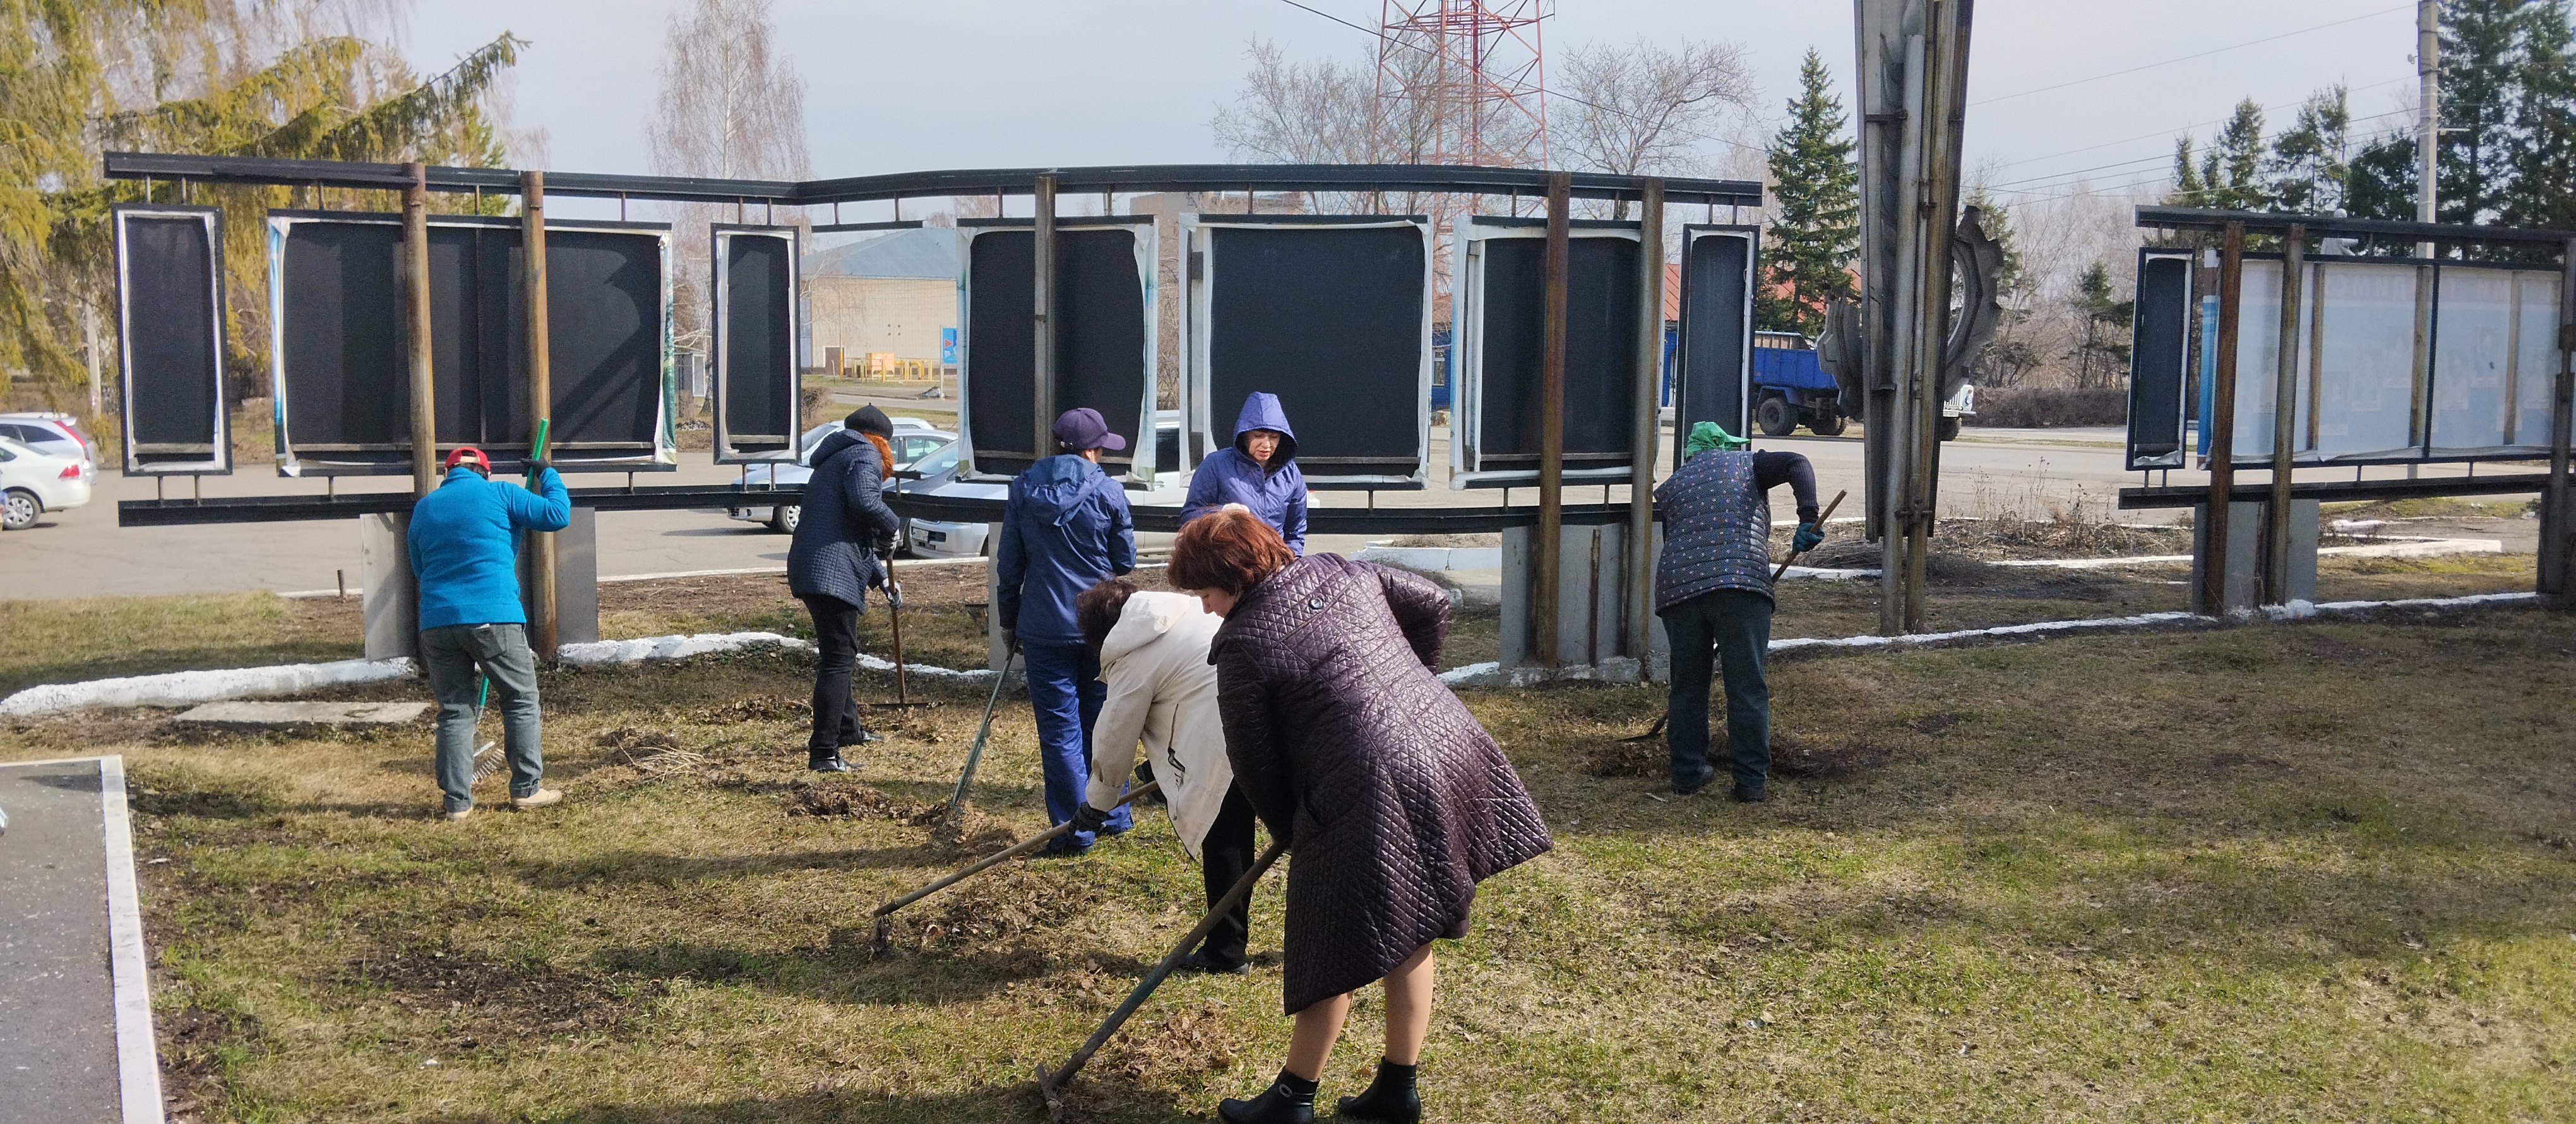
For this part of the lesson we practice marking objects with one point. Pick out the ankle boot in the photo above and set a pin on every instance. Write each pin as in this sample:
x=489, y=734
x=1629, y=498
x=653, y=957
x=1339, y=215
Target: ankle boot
x=1288, y=1100
x=1392, y=1097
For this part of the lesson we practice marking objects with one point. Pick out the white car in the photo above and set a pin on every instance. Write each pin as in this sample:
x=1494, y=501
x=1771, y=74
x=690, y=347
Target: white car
x=913, y=439
x=931, y=539
x=33, y=482
x=59, y=434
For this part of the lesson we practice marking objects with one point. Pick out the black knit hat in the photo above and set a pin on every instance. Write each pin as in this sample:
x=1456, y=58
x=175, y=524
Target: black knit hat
x=869, y=419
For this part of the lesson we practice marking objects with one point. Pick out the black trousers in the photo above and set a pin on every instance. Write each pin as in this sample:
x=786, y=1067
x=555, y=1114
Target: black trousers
x=1227, y=854
x=836, y=638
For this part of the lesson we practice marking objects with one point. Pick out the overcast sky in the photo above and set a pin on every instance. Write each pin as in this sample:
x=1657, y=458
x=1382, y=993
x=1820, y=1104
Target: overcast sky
x=915, y=85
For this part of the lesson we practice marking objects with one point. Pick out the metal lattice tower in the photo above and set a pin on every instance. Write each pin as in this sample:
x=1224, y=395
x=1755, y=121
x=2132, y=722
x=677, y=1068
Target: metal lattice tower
x=1463, y=82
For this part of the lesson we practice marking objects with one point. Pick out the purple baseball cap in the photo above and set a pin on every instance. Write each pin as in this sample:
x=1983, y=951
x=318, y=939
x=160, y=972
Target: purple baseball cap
x=1081, y=428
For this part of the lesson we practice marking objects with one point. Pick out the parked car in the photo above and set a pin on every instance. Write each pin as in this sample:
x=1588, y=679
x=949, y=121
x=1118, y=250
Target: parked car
x=33, y=482
x=59, y=434
x=913, y=439
x=935, y=539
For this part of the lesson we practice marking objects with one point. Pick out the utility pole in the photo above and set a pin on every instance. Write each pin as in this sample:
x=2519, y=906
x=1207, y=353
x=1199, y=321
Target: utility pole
x=2428, y=143
x=541, y=544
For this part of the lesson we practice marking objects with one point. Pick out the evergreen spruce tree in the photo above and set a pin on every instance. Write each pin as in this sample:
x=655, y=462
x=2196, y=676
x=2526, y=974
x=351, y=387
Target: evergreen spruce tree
x=2481, y=44
x=2102, y=356
x=2309, y=161
x=2189, y=189
x=2232, y=172
x=2545, y=123
x=1815, y=213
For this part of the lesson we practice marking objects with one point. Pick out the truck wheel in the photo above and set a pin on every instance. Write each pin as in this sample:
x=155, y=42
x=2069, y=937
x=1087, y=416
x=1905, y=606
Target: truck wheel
x=1826, y=422
x=1949, y=429
x=1776, y=417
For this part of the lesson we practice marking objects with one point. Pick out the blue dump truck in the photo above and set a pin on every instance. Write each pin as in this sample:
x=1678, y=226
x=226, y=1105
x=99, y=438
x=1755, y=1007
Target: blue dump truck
x=1791, y=389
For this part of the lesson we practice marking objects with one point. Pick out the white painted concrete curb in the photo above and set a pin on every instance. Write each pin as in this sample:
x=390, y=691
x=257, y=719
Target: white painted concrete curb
x=188, y=688
x=605, y=652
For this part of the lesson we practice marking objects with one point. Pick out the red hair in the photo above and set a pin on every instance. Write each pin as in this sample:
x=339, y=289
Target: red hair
x=1231, y=550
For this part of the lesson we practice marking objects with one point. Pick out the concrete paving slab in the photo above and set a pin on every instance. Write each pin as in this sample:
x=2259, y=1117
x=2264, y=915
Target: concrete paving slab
x=75, y=1021
x=263, y=714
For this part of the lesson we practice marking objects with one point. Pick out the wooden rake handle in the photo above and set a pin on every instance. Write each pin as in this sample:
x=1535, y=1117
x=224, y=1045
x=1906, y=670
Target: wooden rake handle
x=1004, y=855
x=1783, y=571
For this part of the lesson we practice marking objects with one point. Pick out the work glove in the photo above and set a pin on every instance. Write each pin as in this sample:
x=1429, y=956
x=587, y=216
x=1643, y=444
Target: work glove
x=539, y=464
x=1809, y=534
x=1089, y=819
x=893, y=595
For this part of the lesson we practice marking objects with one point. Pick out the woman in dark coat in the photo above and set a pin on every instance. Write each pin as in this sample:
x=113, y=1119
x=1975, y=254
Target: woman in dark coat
x=1394, y=800
x=843, y=538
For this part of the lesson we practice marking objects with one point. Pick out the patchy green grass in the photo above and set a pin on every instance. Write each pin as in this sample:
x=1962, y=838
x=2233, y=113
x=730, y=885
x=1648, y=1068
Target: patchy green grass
x=2323, y=871
x=97, y=637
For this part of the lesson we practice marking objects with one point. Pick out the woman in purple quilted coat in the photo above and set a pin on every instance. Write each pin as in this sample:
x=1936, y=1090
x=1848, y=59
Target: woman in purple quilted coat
x=1353, y=752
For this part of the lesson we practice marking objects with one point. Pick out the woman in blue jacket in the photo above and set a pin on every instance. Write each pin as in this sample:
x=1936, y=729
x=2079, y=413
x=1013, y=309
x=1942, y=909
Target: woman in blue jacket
x=1259, y=472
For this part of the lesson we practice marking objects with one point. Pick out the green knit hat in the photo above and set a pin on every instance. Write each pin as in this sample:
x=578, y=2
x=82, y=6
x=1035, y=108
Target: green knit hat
x=1707, y=435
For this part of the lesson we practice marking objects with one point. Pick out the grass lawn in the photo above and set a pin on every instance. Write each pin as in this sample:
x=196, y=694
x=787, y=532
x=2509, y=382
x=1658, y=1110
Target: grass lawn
x=2323, y=871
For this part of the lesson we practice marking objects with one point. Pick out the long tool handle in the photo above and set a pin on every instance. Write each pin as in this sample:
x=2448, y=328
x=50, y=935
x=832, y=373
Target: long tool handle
x=894, y=606
x=1783, y=571
x=537, y=451
x=966, y=777
x=1050, y=1082
x=1014, y=850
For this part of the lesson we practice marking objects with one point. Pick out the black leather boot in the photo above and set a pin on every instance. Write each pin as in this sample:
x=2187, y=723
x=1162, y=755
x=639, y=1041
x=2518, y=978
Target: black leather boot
x=1288, y=1100
x=831, y=764
x=1392, y=1097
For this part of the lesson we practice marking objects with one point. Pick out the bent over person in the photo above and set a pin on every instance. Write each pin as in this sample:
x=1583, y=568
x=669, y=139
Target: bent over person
x=465, y=559
x=1713, y=589
x=1360, y=760
x=843, y=538
x=1153, y=653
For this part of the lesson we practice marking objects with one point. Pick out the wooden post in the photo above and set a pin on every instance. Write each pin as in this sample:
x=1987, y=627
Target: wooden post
x=2285, y=416
x=2222, y=427
x=2557, y=522
x=541, y=544
x=1646, y=429
x=1549, y=542
x=1042, y=364
x=424, y=396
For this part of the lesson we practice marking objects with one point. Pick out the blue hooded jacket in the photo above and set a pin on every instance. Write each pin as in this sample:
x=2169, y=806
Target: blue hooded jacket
x=461, y=548
x=1065, y=529
x=1276, y=492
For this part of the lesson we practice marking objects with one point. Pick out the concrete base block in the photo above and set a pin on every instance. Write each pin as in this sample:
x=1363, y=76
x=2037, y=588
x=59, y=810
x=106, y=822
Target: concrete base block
x=273, y=714
x=390, y=606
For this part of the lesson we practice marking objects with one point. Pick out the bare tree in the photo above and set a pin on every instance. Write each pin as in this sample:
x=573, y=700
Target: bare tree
x=1644, y=109
x=730, y=108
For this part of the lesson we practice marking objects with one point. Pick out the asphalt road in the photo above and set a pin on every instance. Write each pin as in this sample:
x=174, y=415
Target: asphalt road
x=84, y=553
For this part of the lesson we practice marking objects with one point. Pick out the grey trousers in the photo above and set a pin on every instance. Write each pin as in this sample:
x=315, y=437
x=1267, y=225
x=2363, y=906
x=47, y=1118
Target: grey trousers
x=453, y=653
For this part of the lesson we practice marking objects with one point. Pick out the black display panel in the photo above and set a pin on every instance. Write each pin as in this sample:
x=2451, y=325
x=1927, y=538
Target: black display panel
x=2158, y=358
x=1716, y=357
x=756, y=389
x=1332, y=319
x=342, y=357
x=1600, y=351
x=170, y=331
x=1101, y=339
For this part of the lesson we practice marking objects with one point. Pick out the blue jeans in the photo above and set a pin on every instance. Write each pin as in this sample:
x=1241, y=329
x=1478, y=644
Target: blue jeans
x=453, y=654
x=1732, y=628
x=1065, y=688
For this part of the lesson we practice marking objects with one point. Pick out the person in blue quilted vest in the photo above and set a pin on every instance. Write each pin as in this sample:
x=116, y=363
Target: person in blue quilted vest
x=1713, y=589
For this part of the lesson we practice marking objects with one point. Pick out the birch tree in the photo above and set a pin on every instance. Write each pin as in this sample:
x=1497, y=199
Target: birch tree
x=731, y=107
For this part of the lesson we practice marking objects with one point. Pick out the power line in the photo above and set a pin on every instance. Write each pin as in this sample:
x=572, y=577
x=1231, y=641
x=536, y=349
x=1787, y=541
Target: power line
x=2188, y=58
x=1381, y=34
x=2055, y=179
x=2408, y=80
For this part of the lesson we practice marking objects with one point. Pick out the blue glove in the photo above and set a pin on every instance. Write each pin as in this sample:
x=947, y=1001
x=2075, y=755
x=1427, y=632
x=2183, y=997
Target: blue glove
x=1808, y=536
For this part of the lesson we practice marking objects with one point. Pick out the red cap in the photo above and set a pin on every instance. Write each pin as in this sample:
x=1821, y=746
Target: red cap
x=469, y=455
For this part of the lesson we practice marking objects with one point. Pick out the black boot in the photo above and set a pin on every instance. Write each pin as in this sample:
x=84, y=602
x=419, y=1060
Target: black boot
x=1288, y=1100
x=1392, y=1097
x=827, y=764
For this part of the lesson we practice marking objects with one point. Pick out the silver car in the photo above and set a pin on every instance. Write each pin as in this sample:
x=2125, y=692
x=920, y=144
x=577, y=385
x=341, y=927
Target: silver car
x=913, y=439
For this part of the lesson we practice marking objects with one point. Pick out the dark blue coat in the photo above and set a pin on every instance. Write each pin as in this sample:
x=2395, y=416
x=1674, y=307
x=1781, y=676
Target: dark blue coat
x=1275, y=492
x=1065, y=528
x=845, y=514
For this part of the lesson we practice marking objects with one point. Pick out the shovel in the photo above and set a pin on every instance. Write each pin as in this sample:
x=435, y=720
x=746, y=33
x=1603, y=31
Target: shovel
x=883, y=937
x=1657, y=730
x=894, y=606
x=1051, y=1083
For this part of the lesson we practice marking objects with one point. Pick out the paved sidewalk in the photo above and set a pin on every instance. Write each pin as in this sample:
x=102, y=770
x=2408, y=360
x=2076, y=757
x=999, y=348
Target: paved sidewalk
x=59, y=1038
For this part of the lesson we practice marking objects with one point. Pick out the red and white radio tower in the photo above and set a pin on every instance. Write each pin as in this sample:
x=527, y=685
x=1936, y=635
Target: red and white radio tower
x=1463, y=82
